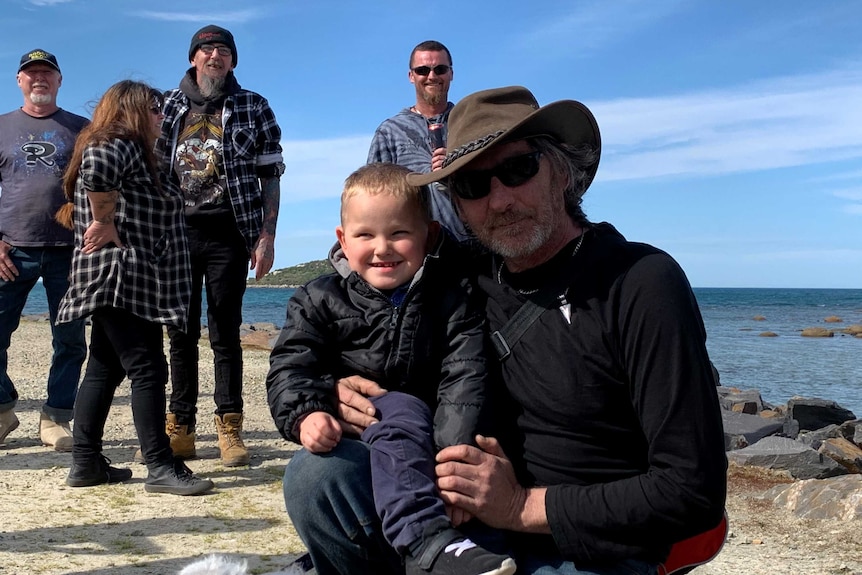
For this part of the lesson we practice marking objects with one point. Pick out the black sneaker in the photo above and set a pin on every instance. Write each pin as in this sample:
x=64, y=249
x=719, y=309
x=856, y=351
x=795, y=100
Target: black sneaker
x=450, y=553
x=96, y=471
x=175, y=478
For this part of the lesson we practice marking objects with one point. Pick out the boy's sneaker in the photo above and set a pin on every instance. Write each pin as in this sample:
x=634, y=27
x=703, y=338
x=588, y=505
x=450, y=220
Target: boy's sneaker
x=450, y=553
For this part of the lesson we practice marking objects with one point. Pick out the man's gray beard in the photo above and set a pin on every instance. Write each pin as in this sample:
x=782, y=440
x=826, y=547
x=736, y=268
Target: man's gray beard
x=507, y=248
x=211, y=88
x=41, y=99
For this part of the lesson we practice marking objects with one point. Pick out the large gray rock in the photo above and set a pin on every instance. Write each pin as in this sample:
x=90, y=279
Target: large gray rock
x=852, y=431
x=836, y=498
x=783, y=453
x=846, y=453
x=814, y=439
x=742, y=429
x=813, y=413
x=740, y=400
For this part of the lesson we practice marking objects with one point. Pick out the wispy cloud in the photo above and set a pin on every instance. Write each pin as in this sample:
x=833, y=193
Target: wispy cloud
x=783, y=123
x=48, y=2
x=840, y=176
x=772, y=124
x=854, y=195
x=316, y=169
x=591, y=26
x=236, y=16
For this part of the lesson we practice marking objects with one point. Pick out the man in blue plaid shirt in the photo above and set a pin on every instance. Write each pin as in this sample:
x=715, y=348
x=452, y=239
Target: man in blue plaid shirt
x=223, y=144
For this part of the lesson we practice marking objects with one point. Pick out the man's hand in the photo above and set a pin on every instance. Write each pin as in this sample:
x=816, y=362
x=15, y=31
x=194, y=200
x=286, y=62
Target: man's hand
x=8, y=271
x=457, y=515
x=263, y=255
x=437, y=157
x=98, y=235
x=355, y=411
x=481, y=481
x=319, y=432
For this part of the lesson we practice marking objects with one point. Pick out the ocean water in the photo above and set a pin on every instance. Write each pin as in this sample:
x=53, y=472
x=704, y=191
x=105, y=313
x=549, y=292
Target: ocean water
x=787, y=365
x=780, y=367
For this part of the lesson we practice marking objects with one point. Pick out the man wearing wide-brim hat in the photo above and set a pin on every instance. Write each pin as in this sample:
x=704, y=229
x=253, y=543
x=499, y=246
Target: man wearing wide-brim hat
x=609, y=446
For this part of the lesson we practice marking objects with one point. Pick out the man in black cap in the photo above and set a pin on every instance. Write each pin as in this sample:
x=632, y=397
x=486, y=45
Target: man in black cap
x=610, y=446
x=36, y=142
x=223, y=143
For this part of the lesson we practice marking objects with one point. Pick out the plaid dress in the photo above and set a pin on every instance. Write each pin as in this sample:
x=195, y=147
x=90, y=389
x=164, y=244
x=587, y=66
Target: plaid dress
x=150, y=276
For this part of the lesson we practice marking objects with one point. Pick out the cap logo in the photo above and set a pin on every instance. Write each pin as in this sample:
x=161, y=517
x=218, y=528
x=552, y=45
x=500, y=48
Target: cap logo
x=38, y=55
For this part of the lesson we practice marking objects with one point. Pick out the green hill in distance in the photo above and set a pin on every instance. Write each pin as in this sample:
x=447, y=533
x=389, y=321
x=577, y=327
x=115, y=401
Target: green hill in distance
x=293, y=276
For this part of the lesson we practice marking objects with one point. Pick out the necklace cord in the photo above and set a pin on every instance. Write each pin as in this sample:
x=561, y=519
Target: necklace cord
x=532, y=291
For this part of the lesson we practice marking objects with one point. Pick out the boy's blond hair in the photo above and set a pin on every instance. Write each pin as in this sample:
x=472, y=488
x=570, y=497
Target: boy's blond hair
x=385, y=178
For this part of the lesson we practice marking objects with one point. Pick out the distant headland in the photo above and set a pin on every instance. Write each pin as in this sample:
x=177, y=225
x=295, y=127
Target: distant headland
x=293, y=276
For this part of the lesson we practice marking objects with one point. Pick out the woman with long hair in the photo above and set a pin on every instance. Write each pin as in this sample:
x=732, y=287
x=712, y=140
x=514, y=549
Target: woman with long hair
x=130, y=273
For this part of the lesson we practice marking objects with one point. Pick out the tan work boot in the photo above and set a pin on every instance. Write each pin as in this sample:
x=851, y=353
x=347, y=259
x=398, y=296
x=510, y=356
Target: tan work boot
x=53, y=434
x=233, y=451
x=8, y=424
x=182, y=440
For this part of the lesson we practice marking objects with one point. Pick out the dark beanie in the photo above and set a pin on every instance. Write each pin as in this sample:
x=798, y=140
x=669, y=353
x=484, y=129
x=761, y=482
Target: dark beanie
x=212, y=34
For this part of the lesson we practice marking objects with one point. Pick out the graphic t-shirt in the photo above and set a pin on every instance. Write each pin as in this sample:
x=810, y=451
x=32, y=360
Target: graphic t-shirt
x=34, y=153
x=199, y=165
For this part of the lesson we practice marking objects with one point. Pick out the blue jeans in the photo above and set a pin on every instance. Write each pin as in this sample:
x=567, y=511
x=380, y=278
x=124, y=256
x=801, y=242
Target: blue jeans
x=70, y=346
x=329, y=501
x=539, y=566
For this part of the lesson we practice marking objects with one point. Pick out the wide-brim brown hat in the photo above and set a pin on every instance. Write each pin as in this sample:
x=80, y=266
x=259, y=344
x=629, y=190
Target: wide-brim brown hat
x=485, y=119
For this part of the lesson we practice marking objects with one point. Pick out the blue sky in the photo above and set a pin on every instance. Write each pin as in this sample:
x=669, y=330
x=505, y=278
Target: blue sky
x=732, y=130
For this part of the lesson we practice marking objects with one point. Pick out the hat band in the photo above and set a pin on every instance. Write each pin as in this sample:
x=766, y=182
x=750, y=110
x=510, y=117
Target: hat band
x=470, y=147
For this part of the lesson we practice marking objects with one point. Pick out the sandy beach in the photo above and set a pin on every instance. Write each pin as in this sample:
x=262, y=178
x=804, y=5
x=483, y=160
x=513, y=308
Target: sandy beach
x=49, y=528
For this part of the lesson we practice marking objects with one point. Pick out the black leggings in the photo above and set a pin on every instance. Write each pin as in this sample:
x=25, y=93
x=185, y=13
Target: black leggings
x=123, y=344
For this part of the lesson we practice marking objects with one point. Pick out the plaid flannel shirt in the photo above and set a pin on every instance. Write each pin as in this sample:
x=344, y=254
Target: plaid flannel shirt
x=251, y=144
x=150, y=276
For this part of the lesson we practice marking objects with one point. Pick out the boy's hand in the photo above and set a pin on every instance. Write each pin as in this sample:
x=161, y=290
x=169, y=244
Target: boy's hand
x=319, y=432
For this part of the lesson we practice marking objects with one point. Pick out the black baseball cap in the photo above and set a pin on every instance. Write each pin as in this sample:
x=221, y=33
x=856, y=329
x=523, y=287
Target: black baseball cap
x=38, y=55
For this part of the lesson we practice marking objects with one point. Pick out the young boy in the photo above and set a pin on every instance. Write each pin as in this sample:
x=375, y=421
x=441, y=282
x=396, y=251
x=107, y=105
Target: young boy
x=394, y=314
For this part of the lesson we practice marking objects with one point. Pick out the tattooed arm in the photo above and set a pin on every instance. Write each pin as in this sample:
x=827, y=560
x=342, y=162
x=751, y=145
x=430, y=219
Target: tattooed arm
x=102, y=230
x=264, y=251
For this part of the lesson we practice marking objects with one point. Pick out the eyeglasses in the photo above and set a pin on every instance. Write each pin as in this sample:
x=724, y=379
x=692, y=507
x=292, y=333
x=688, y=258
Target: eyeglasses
x=156, y=108
x=512, y=172
x=222, y=50
x=439, y=69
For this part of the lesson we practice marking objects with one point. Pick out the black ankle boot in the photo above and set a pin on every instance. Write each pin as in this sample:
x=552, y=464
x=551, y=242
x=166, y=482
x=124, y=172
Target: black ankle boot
x=95, y=470
x=175, y=478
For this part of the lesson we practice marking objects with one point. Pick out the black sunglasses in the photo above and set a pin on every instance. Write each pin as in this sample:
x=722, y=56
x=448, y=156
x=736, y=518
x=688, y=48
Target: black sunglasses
x=439, y=69
x=512, y=172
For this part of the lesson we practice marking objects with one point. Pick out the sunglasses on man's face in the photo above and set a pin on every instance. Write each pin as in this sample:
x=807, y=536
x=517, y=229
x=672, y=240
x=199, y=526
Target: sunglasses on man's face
x=439, y=69
x=512, y=172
